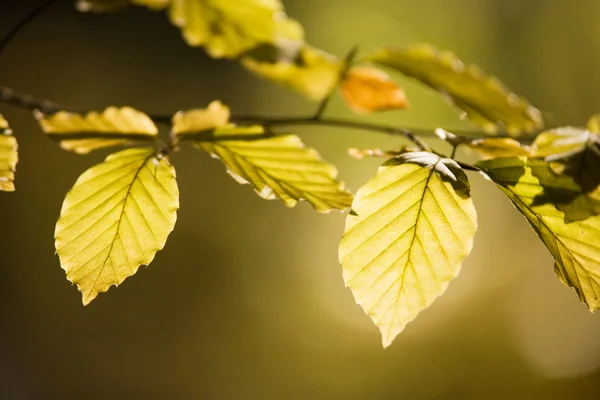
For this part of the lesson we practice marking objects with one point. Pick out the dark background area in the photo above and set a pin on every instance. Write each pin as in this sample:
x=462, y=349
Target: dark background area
x=247, y=299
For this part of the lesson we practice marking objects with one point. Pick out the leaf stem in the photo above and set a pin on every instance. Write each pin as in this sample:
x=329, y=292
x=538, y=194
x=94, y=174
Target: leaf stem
x=454, y=148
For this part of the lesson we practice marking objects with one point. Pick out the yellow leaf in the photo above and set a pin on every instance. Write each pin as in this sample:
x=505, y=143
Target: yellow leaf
x=535, y=191
x=201, y=120
x=8, y=157
x=279, y=167
x=229, y=28
x=367, y=90
x=561, y=142
x=313, y=73
x=115, y=218
x=85, y=133
x=498, y=147
x=484, y=99
x=410, y=228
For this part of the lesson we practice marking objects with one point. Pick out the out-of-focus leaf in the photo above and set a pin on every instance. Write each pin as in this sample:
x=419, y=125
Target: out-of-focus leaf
x=100, y=6
x=115, y=219
x=498, y=148
x=278, y=167
x=574, y=245
x=360, y=154
x=368, y=90
x=485, y=100
x=311, y=72
x=112, y=127
x=593, y=124
x=8, y=157
x=192, y=122
x=229, y=28
x=486, y=147
x=410, y=228
x=563, y=142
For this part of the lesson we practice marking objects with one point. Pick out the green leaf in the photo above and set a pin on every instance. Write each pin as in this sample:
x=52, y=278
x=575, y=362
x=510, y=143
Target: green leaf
x=229, y=28
x=8, y=157
x=278, y=167
x=485, y=100
x=574, y=245
x=115, y=219
x=85, y=133
x=576, y=153
x=311, y=72
x=410, y=228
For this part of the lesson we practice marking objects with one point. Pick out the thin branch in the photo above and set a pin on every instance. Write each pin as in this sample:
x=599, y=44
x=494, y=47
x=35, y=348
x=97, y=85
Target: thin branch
x=23, y=23
x=337, y=122
x=18, y=99
x=28, y=102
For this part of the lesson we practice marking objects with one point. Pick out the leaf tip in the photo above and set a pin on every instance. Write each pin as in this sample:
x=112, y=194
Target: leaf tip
x=387, y=338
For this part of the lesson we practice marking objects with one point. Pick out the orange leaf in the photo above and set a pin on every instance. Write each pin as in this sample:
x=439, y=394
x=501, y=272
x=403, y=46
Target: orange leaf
x=367, y=90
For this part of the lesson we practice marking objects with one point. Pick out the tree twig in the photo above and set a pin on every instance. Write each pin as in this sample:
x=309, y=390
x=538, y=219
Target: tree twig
x=29, y=102
x=23, y=23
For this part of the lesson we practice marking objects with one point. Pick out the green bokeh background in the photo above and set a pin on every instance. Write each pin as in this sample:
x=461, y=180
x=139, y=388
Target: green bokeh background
x=247, y=299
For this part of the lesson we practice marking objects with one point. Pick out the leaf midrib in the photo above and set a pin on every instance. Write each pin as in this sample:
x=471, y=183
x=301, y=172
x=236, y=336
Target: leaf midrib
x=125, y=199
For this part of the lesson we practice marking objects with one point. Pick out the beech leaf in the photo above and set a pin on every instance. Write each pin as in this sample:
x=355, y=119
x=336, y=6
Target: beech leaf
x=368, y=90
x=96, y=130
x=116, y=217
x=8, y=157
x=485, y=101
x=410, y=228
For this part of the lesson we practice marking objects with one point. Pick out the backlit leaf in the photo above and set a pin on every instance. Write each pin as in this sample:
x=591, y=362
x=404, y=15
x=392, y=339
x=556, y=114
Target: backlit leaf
x=92, y=131
x=312, y=72
x=410, y=228
x=563, y=142
x=8, y=157
x=498, y=148
x=229, y=28
x=485, y=100
x=576, y=153
x=278, y=167
x=367, y=90
x=486, y=147
x=201, y=120
x=574, y=245
x=115, y=219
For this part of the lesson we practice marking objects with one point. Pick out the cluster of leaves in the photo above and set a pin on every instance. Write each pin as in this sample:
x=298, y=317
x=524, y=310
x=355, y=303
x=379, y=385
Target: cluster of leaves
x=410, y=226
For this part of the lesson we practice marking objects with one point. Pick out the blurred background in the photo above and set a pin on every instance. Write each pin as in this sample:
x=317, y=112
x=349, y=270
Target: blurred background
x=247, y=299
